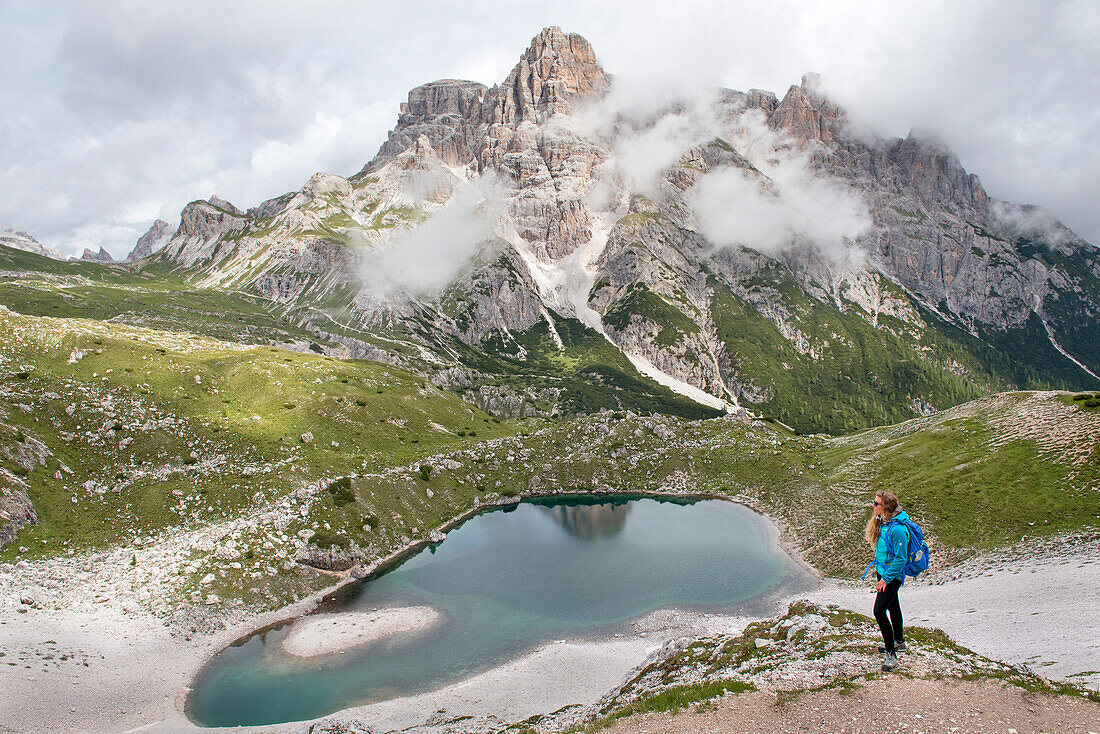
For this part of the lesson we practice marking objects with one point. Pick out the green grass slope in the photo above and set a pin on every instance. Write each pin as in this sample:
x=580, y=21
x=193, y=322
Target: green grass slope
x=147, y=430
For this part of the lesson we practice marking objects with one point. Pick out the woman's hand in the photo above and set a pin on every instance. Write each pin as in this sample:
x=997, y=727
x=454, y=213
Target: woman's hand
x=880, y=586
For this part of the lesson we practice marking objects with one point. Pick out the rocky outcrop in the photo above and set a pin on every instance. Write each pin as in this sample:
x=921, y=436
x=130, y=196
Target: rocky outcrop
x=202, y=229
x=335, y=557
x=805, y=113
x=554, y=73
x=95, y=257
x=152, y=241
x=444, y=112
x=20, y=240
x=579, y=239
x=16, y=510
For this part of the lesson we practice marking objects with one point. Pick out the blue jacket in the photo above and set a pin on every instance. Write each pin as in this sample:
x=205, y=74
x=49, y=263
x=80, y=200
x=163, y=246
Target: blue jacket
x=892, y=551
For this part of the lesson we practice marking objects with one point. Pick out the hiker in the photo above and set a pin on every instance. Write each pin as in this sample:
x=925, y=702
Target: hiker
x=888, y=534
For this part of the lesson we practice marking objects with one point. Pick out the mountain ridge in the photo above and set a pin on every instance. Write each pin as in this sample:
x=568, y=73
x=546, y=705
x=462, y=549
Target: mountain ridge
x=882, y=255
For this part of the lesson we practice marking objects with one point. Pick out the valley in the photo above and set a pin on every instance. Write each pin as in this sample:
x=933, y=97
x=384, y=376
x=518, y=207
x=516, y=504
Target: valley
x=506, y=310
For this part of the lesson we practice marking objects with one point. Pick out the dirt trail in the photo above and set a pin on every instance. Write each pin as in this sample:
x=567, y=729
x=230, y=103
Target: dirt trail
x=893, y=704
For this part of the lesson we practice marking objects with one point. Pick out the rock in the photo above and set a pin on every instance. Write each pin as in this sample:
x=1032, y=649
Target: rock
x=307, y=437
x=336, y=726
x=212, y=599
x=155, y=238
x=20, y=240
x=96, y=257
x=16, y=510
x=227, y=552
x=34, y=598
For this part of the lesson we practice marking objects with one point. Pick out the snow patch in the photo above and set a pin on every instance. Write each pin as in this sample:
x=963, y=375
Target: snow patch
x=553, y=329
x=564, y=284
x=651, y=371
x=1067, y=355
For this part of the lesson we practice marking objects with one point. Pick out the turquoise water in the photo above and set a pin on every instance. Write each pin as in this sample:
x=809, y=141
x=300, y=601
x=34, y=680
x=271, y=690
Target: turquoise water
x=506, y=581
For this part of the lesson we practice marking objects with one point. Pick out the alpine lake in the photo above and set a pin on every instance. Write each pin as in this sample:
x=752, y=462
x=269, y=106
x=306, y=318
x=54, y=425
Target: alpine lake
x=501, y=584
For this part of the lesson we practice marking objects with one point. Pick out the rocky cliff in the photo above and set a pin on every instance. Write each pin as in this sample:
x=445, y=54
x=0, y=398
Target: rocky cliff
x=153, y=240
x=20, y=240
x=90, y=255
x=776, y=259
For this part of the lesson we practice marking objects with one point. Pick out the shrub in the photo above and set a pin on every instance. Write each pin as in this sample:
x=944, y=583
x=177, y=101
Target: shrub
x=1091, y=403
x=425, y=472
x=288, y=405
x=342, y=493
x=329, y=538
x=1081, y=396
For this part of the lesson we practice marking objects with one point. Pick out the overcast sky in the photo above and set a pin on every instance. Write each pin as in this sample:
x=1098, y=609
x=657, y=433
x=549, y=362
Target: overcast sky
x=117, y=113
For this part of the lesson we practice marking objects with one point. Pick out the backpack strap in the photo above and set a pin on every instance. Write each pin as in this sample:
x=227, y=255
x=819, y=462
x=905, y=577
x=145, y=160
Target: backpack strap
x=868, y=569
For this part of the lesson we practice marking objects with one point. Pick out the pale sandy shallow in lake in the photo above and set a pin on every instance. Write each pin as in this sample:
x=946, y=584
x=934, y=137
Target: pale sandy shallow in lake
x=324, y=634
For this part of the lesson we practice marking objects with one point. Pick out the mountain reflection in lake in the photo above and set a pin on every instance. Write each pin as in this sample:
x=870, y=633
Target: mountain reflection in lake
x=500, y=585
x=590, y=522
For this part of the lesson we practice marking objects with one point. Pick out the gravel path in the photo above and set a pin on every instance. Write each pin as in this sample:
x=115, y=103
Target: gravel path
x=1033, y=605
x=110, y=667
x=896, y=704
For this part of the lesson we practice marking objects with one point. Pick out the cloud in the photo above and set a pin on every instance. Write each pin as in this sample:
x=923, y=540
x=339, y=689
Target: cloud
x=1032, y=222
x=734, y=208
x=115, y=102
x=781, y=205
x=422, y=261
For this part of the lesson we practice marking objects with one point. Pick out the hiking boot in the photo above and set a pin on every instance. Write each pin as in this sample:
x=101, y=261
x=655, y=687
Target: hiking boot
x=899, y=646
x=890, y=662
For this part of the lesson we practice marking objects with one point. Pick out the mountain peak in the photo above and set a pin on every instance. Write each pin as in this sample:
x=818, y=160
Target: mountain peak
x=153, y=240
x=90, y=255
x=20, y=240
x=556, y=70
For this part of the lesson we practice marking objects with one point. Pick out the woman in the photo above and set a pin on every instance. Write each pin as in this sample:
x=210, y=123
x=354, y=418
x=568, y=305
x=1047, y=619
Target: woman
x=886, y=531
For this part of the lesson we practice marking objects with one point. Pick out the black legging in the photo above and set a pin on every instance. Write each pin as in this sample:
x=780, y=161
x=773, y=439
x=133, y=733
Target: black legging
x=887, y=601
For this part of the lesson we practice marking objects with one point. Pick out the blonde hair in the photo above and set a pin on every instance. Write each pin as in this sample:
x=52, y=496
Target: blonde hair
x=889, y=509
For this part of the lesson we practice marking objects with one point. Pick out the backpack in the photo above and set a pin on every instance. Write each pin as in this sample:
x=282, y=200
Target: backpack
x=917, y=562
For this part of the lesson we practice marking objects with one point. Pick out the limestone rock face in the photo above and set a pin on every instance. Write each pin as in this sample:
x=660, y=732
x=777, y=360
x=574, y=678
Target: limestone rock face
x=96, y=257
x=152, y=241
x=20, y=240
x=554, y=72
x=220, y=203
x=202, y=226
x=500, y=130
x=16, y=510
x=445, y=112
x=805, y=114
x=574, y=236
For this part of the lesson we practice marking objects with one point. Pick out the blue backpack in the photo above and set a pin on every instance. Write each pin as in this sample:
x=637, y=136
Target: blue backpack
x=917, y=562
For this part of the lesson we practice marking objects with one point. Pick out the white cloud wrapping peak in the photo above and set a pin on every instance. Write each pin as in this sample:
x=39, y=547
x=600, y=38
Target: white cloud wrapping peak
x=116, y=102
x=792, y=207
x=424, y=260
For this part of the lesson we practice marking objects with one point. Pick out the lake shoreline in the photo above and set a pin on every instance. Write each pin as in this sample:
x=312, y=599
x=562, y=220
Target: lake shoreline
x=125, y=687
